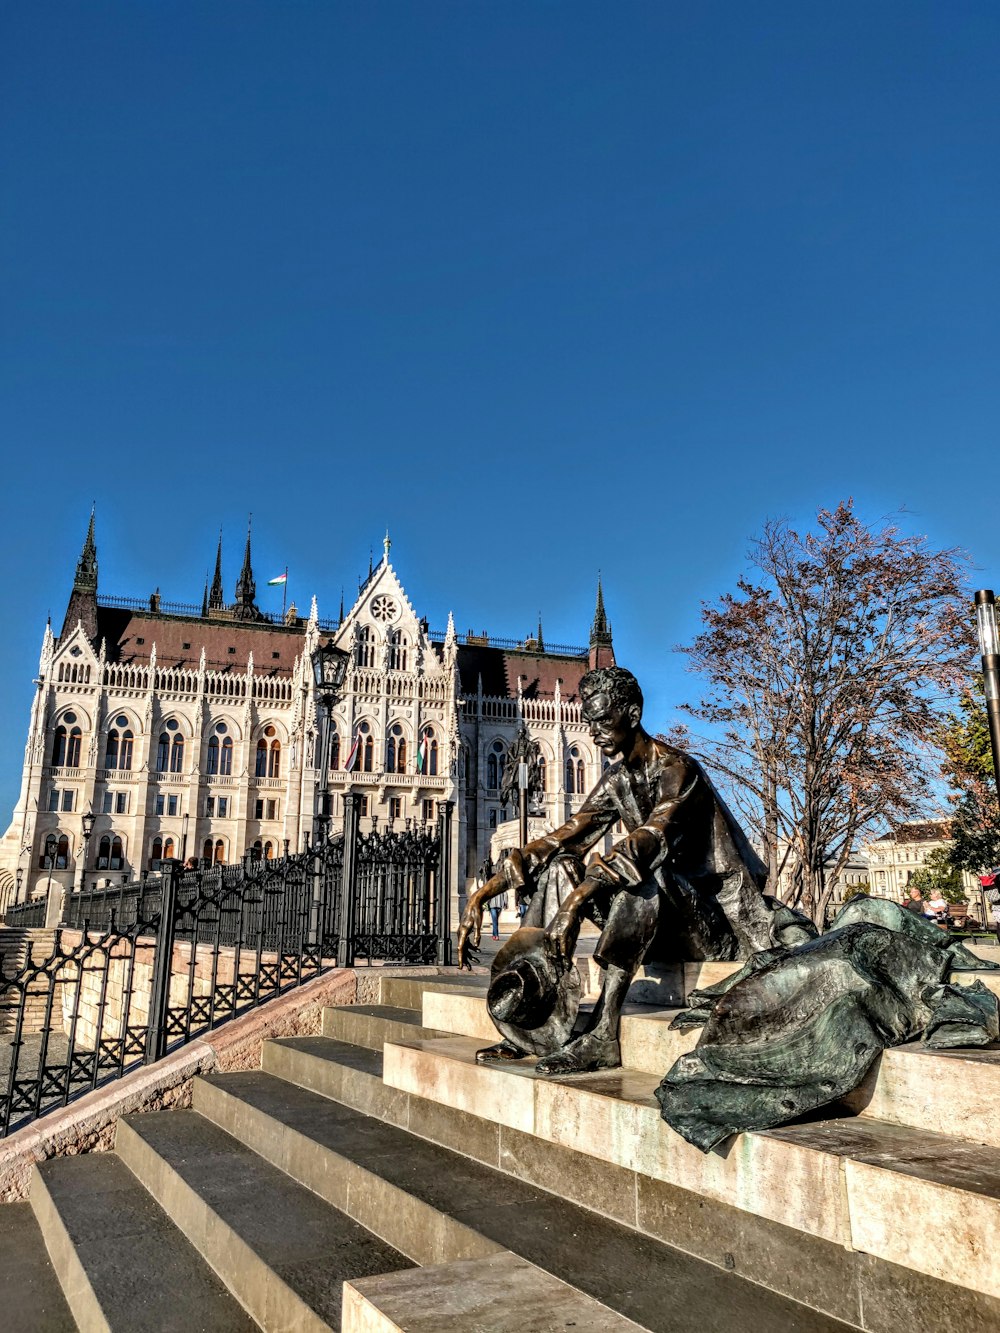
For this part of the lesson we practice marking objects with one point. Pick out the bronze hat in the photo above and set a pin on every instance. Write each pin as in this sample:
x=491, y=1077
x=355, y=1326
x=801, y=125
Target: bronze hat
x=531, y=1002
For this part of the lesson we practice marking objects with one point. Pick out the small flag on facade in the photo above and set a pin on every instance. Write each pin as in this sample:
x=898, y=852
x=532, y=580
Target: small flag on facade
x=352, y=758
x=282, y=578
x=421, y=754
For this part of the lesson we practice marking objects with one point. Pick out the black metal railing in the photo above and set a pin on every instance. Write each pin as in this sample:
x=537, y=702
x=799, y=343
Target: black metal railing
x=27, y=914
x=137, y=969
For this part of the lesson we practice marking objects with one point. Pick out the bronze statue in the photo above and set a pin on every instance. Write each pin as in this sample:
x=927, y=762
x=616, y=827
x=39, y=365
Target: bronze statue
x=683, y=884
x=524, y=750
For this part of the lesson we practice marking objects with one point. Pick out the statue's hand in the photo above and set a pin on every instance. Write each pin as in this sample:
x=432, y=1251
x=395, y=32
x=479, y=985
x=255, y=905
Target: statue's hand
x=560, y=937
x=471, y=926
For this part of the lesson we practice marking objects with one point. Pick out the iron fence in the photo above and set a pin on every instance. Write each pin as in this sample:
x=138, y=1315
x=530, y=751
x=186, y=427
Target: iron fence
x=137, y=969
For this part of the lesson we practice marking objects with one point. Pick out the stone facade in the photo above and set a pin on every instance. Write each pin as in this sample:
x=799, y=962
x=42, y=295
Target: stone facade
x=196, y=732
x=894, y=856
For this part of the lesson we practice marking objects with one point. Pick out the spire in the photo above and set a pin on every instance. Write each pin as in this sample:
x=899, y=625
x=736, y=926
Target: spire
x=340, y=618
x=541, y=636
x=602, y=651
x=204, y=600
x=217, y=598
x=244, y=607
x=386, y=546
x=82, y=605
x=371, y=567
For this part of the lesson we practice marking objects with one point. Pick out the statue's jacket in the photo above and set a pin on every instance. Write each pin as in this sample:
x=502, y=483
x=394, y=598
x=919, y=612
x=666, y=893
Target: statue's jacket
x=683, y=846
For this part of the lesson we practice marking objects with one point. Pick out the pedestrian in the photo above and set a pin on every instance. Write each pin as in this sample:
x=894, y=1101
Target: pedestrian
x=496, y=906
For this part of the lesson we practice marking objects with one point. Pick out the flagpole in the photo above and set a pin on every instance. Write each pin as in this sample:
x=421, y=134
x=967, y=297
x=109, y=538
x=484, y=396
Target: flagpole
x=284, y=594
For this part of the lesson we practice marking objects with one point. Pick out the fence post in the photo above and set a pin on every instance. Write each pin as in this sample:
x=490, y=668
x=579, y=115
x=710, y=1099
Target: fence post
x=159, y=996
x=444, y=883
x=345, y=940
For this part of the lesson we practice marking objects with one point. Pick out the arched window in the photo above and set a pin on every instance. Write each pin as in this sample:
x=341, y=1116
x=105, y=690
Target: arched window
x=59, y=747
x=206, y=851
x=268, y=851
x=109, y=853
x=494, y=766
x=541, y=772
x=268, y=763
x=581, y=777
x=156, y=854
x=168, y=848
x=256, y=850
x=226, y=757
x=367, y=749
x=125, y=751
x=335, y=752
x=73, y=748
x=570, y=774
x=163, y=753
x=177, y=755
x=365, y=655
x=212, y=761
x=111, y=752
x=395, y=750
x=398, y=655
x=220, y=851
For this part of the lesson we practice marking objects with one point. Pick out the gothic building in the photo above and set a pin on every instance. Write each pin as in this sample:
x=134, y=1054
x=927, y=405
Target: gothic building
x=195, y=731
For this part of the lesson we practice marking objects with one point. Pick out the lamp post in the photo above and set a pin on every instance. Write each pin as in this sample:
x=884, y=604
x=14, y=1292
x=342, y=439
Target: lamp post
x=88, y=828
x=329, y=666
x=989, y=646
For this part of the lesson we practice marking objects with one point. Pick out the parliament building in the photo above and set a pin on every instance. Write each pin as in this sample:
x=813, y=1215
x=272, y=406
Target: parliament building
x=195, y=731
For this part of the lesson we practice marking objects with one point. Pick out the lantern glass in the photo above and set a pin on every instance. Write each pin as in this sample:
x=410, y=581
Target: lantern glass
x=986, y=618
x=329, y=667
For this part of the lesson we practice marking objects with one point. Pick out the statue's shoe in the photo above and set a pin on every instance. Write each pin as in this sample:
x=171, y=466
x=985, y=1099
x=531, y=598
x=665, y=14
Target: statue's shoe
x=582, y=1056
x=502, y=1053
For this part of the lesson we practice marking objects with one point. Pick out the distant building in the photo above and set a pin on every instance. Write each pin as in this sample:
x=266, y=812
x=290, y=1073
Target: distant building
x=895, y=855
x=193, y=731
x=852, y=879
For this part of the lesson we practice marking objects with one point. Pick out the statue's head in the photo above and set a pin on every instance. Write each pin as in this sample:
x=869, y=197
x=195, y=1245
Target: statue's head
x=612, y=707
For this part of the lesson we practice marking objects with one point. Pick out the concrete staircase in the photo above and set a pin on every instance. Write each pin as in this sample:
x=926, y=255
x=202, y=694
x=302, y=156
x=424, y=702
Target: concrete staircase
x=375, y=1178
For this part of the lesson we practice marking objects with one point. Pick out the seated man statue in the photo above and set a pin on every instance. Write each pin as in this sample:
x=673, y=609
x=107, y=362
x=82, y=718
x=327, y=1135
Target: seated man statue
x=684, y=884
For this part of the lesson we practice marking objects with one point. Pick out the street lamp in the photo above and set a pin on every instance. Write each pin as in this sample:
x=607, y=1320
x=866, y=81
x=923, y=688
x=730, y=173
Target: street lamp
x=329, y=666
x=989, y=646
x=88, y=828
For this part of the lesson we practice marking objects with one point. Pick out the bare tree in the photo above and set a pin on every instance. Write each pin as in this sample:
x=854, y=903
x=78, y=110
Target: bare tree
x=828, y=671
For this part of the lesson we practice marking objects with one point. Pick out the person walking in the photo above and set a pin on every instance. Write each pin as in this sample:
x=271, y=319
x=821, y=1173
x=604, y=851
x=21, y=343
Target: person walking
x=496, y=906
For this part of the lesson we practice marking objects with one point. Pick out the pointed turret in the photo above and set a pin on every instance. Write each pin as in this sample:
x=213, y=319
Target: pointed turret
x=541, y=636
x=245, y=608
x=217, y=598
x=386, y=546
x=602, y=652
x=82, y=605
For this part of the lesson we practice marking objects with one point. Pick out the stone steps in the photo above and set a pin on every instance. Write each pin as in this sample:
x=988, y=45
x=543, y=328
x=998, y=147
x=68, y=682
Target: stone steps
x=440, y=1208
x=856, y=1286
x=955, y=1093
x=32, y=1296
x=375, y=1178
x=120, y=1263
x=279, y=1248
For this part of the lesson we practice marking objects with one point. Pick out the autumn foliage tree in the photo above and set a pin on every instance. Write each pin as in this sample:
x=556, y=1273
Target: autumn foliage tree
x=968, y=766
x=828, y=671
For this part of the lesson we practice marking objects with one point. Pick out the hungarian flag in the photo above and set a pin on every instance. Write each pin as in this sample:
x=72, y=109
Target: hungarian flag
x=352, y=758
x=282, y=578
x=421, y=754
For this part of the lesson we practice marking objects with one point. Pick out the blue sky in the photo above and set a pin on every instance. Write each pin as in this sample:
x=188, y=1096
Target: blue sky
x=544, y=288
